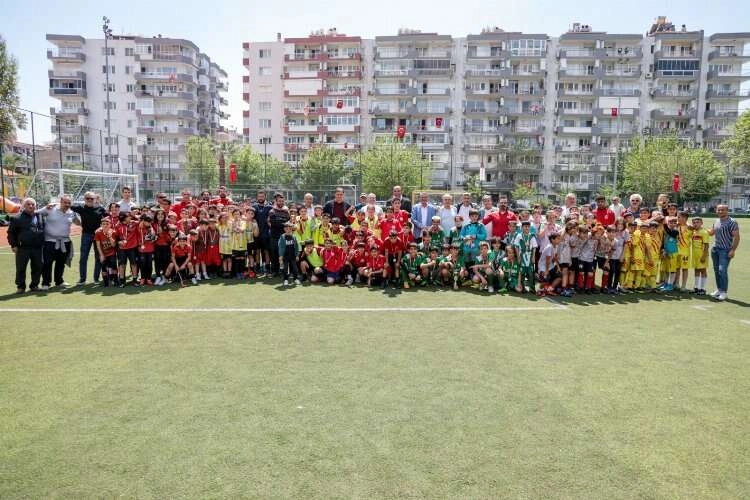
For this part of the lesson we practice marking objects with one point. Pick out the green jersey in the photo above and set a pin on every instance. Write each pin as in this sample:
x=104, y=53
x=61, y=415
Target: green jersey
x=411, y=265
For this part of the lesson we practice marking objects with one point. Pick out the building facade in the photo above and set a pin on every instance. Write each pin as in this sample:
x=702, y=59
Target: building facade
x=512, y=108
x=162, y=91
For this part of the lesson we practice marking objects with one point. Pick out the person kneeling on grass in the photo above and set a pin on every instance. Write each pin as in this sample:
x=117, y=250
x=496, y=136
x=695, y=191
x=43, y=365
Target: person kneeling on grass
x=429, y=267
x=333, y=261
x=356, y=262
x=410, y=267
x=549, y=269
x=311, y=263
x=375, y=268
x=181, y=261
x=458, y=266
x=482, y=269
x=104, y=237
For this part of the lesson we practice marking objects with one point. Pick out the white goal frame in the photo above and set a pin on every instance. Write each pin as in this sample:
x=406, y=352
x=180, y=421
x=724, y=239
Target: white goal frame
x=108, y=193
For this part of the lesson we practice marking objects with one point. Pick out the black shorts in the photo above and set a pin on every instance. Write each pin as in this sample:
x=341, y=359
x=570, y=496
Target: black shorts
x=564, y=265
x=586, y=267
x=226, y=256
x=180, y=260
x=239, y=254
x=553, y=275
x=127, y=255
x=263, y=243
x=110, y=262
x=600, y=261
x=252, y=247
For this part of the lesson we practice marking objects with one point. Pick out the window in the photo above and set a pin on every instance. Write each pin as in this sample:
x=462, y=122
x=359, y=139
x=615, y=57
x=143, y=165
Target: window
x=265, y=140
x=264, y=53
x=264, y=123
x=131, y=140
x=129, y=87
x=112, y=105
x=129, y=51
x=111, y=51
x=264, y=71
x=130, y=125
x=265, y=89
x=111, y=70
x=131, y=106
x=110, y=159
x=111, y=87
x=264, y=106
x=128, y=69
x=110, y=141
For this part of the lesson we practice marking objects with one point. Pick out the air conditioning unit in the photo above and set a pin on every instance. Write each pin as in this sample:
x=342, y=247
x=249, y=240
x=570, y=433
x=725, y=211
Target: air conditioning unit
x=649, y=76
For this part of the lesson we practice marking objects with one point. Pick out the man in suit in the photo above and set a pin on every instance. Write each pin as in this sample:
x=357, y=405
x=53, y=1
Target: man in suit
x=421, y=216
x=405, y=203
x=26, y=239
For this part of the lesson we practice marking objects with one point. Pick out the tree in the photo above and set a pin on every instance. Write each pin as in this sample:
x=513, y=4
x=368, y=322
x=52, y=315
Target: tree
x=10, y=117
x=737, y=147
x=473, y=185
x=649, y=169
x=201, y=165
x=524, y=192
x=252, y=169
x=387, y=164
x=323, y=166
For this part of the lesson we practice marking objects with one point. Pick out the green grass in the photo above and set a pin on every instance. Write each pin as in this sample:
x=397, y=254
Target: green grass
x=641, y=396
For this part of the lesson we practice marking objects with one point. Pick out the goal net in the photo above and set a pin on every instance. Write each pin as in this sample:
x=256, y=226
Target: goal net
x=48, y=184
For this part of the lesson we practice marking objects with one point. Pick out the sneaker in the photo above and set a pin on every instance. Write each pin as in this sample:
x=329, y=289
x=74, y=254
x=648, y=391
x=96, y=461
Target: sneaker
x=122, y=285
x=297, y=282
x=63, y=285
x=701, y=292
x=715, y=294
x=161, y=281
x=567, y=293
x=80, y=283
x=194, y=280
x=205, y=276
x=349, y=281
x=286, y=282
x=491, y=289
x=198, y=276
x=44, y=288
x=19, y=291
x=722, y=297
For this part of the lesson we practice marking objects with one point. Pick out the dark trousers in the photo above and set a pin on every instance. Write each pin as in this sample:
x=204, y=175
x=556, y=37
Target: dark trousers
x=145, y=265
x=24, y=256
x=87, y=243
x=290, y=270
x=162, y=254
x=56, y=257
x=275, y=255
x=614, y=273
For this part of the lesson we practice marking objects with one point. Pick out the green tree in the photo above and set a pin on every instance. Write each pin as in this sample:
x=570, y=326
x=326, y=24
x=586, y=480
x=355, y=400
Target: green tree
x=10, y=117
x=524, y=192
x=388, y=164
x=323, y=166
x=737, y=147
x=201, y=166
x=252, y=169
x=473, y=185
x=649, y=169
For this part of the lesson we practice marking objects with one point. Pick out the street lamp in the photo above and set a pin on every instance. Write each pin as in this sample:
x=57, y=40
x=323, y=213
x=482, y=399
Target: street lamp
x=107, y=35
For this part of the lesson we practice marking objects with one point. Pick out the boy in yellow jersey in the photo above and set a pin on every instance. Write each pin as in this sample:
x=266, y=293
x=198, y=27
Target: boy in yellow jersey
x=683, y=249
x=637, y=257
x=238, y=237
x=651, y=254
x=225, y=244
x=699, y=239
x=323, y=231
x=303, y=228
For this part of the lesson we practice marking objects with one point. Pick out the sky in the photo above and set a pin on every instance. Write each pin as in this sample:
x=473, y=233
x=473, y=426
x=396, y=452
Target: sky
x=220, y=27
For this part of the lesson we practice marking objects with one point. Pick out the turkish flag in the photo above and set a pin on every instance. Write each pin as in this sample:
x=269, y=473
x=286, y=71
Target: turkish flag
x=614, y=111
x=400, y=131
x=676, y=183
x=232, y=173
x=439, y=121
x=340, y=104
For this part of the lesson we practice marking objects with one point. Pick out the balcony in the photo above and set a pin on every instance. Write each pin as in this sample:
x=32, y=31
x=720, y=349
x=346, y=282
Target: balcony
x=344, y=74
x=493, y=53
x=582, y=150
x=395, y=53
x=494, y=92
x=518, y=130
x=531, y=111
x=161, y=148
x=685, y=133
x=716, y=133
x=343, y=146
x=674, y=94
x=584, y=74
x=436, y=72
x=58, y=91
x=169, y=77
x=728, y=94
x=304, y=74
x=573, y=186
x=341, y=127
x=562, y=92
x=223, y=101
x=186, y=113
x=166, y=95
x=306, y=57
x=619, y=53
x=487, y=147
x=490, y=108
x=391, y=73
x=729, y=75
x=576, y=53
x=68, y=55
x=69, y=111
x=561, y=130
x=68, y=129
x=76, y=147
x=491, y=73
x=713, y=113
x=613, y=130
x=469, y=129
x=677, y=114
x=336, y=91
x=301, y=128
x=618, y=73
x=682, y=54
x=426, y=109
x=739, y=55
x=356, y=56
x=161, y=56
x=432, y=54
x=574, y=112
x=624, y=113
x=409, y=91
x=302, y=146
x=222, y=86
x=677, y=74
x=602, y=92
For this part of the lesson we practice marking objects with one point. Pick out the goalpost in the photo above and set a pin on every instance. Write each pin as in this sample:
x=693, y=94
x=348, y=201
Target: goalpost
x=49, y=184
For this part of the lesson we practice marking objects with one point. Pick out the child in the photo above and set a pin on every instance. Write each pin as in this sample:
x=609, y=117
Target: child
x=445, y=265
x=147, y=238
x=127, y=239
x=511, y=269
x=311, y=263
x=481, y=268
x=390, y=223
x=526, y=245
x=289, y=249
x=105, y=244
x=669, y=253
x=238, y=236
x=426, y=243
x=181, y=260
x=437, y=235
x=474, y=227
x=429, y=267
x=460, y=273
x=699, y=238
x=375, y=267
x=225, y=244
x=601, y=255
x=211, y=240
x=650, y=255
x=400, y=215
x=198, y=242
x=549, y=269
x=356, y=262
x=322, y=231
x=614, y=258
x=634, y=250
x=455, y=234
x=565, y=259
x=333, y=261
x=337, y=232
x=497, y=254
x=410, y=267
x=683, y=248
x=393, y=250
x=251, y=233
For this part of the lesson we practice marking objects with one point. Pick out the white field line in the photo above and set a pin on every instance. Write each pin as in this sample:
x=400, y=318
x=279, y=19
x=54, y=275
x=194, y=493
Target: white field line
x=745, y=321
x=130, y=310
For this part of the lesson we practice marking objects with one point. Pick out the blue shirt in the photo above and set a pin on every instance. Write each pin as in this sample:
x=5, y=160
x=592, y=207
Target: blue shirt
x=723, y=233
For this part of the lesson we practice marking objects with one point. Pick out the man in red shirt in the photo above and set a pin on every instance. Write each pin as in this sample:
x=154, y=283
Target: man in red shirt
x=223, y=198
x=185, y=202
x=500, y=219
x=603, y=214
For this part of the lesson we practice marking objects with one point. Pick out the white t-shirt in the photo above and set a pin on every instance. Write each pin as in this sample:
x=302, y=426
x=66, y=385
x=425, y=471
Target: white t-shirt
x=125, y=206
x=549, y=251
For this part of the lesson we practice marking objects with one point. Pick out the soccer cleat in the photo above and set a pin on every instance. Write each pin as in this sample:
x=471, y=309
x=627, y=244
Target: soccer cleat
x=198, y=276
x=80, y=283
x=63, y=285
x=349, y=281
x=297, y=282
x=194, y=280
x=491, y=289
x=286, y=282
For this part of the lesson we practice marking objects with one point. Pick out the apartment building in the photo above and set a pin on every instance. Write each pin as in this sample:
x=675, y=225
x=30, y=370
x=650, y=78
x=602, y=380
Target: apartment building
x=517, y=108
x=162, y=91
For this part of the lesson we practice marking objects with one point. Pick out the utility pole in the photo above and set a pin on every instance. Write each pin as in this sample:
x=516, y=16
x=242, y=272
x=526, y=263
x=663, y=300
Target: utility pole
x=617, y=153
x=107, y=34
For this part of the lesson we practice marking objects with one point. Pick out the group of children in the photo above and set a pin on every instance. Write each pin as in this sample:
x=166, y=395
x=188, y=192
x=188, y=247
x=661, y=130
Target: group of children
x=555, y=256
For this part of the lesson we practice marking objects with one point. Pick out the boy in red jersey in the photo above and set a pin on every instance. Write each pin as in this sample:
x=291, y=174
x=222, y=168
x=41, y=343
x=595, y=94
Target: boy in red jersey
x=146, y=237
x=393, y=249
x=389, y=223
x=105, y=243
x=181, y=260
x=127, y=241
x=400, y=215
x=355, y=262
x=375, y=267
x=333, y=261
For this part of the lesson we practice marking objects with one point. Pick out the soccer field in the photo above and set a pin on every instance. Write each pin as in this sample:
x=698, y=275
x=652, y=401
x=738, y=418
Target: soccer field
x=245, y=389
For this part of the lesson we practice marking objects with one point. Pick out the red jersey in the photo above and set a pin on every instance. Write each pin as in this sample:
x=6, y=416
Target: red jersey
x=604, y=216
x=402, y=216
x=146, y=239
x=107, y=242
x=186, y=225
x=333, y=259
x=357, y=259
x=181, y=250
x=219, y=200
x=162, y=236
x=393, y=246
x=376, y=263
x=129, y=234
x=178, y=207
x=406, y=238
x=499, y=221
x=386, y=225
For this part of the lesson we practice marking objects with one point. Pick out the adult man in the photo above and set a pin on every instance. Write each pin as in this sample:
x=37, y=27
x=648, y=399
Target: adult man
x=91, y=218
x=362, y=202
x=26, y=239
x=465, y=207
x=635, y=204
x=500, y=219
x=223, y=198
x=126, y=203
x=617, y=207
x=337, y=207
x=58, y=249
x=262, y=208
x=372, y=201
x=487, y=208
x=278, y=216
x=308, y=205
x=726, y=233
x=447, y=213
x=185, y=202
x=570, y=202
x=396, y=194
x=602, y=213
x=421, y=216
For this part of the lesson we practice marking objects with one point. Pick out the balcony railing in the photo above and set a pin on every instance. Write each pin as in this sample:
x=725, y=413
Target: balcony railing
x=391, y=72
x=576, y=52
x=677, y=73
x=730, y=54
x=67, y=54
x=674, y=113
x=432, y=71
x=57, y=91
x=661, y=93
x=619, y=92
x=573, y=130
x=728, y=94
x=620, y=53
x=153, y=75
x=497, y=72
x=433, y=108
x=714, y=113
x=394, y=53
x=561, y=92
x=715, y=75
x=69, y=111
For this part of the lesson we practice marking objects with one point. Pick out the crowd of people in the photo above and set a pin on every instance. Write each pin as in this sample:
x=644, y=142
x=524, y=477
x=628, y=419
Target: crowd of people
x=554, y=252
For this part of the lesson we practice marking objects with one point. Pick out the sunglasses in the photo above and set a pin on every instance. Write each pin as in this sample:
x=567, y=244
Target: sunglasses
x=88, y=199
